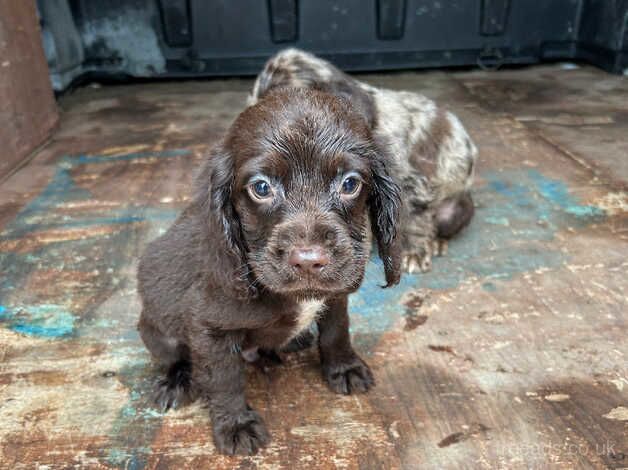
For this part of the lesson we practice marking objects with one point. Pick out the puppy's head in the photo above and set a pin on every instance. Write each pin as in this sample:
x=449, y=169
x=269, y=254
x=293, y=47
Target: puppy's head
x=291, y=190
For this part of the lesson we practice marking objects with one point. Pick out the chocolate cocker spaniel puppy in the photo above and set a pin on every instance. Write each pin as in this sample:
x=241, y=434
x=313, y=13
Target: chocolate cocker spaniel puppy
x=276, y=237
x=434, y=154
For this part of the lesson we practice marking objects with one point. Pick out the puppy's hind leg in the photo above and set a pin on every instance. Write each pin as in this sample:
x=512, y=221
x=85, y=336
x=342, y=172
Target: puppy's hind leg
x=454, y=214
x=172, y=390
x=163, y=348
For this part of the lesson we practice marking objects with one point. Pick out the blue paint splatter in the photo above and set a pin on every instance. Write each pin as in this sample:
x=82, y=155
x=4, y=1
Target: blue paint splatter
x=518, y=214
x=497, y=221
x=128, y=459
x=46, y=320
x=489, y=287
x=42, y=213
x=556, y=192
x=138, y=422
x=517, y=217
x=62, y=189
x=83, y=159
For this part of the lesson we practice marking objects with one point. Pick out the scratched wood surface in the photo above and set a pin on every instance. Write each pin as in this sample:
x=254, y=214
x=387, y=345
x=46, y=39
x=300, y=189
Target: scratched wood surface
x=511, y=354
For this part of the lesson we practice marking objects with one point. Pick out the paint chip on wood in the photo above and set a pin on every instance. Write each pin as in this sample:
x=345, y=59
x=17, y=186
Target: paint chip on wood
x=469, y=431
x=618, y=414
x=557, y=397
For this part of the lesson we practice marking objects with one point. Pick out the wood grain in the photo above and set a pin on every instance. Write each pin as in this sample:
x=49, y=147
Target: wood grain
x=510, y=354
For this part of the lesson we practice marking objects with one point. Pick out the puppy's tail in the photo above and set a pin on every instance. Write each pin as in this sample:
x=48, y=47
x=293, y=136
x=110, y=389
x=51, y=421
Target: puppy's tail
x=454, y=214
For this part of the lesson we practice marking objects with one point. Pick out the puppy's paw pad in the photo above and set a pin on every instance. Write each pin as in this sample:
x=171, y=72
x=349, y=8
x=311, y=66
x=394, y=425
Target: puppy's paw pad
x=241, y=434
x=351, y=377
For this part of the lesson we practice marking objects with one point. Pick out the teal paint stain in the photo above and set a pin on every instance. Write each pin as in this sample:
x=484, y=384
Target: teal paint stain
x=103, y=253
x=117, y=456
x=151, y=413
x=137, y=423
x=127, y=460
x=128, y=412
x=517, y=216
x=504, y=239
x=46, y=320
x=87, y=159
x=489, y=287
x=497, y=221
x=585, y=211
x=556, y=192
x=62, y=189
x=119, y=217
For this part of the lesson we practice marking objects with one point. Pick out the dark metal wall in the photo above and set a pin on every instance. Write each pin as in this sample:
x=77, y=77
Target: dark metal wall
x=166, y=38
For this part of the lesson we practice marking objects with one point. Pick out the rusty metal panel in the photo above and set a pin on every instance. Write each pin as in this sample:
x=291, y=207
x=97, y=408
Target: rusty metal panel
x=27, y=105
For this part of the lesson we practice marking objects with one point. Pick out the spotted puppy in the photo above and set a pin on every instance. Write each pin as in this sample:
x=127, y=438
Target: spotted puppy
x=435, y=156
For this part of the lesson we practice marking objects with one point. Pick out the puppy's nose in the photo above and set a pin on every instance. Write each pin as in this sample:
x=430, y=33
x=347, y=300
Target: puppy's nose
x=311, y=259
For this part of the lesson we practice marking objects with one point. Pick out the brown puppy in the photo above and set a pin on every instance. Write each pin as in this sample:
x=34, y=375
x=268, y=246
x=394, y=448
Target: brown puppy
x=434, y=154
x=276, y=237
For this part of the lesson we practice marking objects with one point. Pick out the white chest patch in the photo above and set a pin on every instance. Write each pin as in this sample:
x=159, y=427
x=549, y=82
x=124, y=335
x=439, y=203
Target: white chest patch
x=307, y=312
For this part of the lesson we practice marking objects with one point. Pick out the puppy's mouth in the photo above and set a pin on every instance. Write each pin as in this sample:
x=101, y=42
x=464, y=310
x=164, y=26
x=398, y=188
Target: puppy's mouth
x=343, y=277
x=308, y=287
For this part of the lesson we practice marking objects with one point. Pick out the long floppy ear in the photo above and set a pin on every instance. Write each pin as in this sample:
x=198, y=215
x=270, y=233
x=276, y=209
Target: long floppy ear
x=223, y=232
x=384, y=205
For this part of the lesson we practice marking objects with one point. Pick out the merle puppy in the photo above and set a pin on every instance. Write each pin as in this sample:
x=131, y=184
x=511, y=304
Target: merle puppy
x=434, y=154
x=277, y=235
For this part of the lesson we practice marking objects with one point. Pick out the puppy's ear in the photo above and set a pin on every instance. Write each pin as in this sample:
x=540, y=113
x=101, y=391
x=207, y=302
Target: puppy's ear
x=223, y=232
x=384, y=205
x=357, y=98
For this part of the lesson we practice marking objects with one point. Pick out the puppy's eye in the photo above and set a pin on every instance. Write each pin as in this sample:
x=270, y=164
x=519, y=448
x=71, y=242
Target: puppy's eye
x=350, y=186
x=260, y=189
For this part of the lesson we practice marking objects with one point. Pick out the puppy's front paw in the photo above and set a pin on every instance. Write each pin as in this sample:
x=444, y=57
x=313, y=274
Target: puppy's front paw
x=416, y=262
x=353, y=376
x=240, y=434
x=420, y=259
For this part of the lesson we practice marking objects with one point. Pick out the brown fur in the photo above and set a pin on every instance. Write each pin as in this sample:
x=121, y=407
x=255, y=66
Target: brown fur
x=220, y=280
x=424, y=154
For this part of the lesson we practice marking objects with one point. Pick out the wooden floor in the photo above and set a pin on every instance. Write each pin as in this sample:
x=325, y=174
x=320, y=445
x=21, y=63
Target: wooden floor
x=512, y=353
